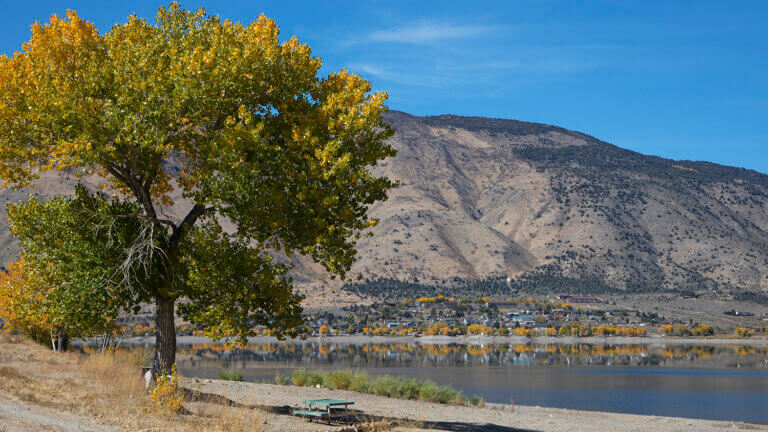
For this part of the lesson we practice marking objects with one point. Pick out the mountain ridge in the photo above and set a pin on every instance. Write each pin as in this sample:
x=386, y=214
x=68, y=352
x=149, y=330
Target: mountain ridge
x=543, y=197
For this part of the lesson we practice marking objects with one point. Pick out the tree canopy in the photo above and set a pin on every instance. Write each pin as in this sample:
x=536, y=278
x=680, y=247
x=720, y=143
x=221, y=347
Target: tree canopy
x=72, y=248
x=226, y=114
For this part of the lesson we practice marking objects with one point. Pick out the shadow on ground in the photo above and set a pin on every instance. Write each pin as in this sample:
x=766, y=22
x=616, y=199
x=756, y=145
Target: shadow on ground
x=355, y=417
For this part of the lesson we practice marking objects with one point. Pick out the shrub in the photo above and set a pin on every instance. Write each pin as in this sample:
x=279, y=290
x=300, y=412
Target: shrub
x=299, y=377
x=360, y=382
x=428, y=391
x=340, y=379
x=446, y=395
x=476, y=401
x=384, y=385
x=408, y=389
x=303, y=377
x=282, y=380
x=165, y=398
x=230, y=375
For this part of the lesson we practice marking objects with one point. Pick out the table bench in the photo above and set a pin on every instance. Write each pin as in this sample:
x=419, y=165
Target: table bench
x=323, y=408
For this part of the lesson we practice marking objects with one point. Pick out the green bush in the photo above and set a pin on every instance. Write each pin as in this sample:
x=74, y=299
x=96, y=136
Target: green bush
x=476, y=401
x=298, y=377
x=315, y=378
x=428, y=391
x=382, y=385
x=282, y=380
x=340, y=379
x=305, y=378
x=230, y=375
x=447, y=395
x=361, y=382
x=408, y=389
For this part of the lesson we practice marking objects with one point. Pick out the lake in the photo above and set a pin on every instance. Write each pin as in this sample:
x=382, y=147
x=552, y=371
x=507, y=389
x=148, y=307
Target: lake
x=722, y=382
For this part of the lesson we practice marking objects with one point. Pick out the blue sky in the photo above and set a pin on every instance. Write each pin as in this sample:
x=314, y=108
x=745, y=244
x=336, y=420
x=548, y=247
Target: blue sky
x=685, y=80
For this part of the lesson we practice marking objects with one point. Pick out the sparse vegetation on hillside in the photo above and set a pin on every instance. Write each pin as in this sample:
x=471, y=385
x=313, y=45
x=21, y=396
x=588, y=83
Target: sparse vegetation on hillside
x=543, y=280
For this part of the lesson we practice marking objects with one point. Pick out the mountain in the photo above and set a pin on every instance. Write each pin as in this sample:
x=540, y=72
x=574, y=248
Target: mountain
x=484, y=199
x=551, y=208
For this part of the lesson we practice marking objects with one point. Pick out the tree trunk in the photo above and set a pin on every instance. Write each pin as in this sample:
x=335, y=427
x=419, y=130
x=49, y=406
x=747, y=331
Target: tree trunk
x=59, y=339
x=165, y=341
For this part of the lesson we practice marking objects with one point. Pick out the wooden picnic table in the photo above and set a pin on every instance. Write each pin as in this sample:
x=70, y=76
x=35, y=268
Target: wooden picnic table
x=327, y=408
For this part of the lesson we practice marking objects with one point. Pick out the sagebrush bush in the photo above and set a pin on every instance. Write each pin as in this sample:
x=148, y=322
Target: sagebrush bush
x=340, y=379
x=282, y=380
x=360, y=382
x=428, y=391
x=303, y=377
x=230, y=375
x=408, y=389
x=476, y=401
x=382, y=385
x=298, y=377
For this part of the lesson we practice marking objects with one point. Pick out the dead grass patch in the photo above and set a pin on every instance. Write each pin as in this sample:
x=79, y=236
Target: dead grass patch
x=106, y=388
x=10, y=373
x=8, y=338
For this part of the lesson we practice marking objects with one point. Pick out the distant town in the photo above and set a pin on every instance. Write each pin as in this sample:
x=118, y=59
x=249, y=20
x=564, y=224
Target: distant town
x=556, y=315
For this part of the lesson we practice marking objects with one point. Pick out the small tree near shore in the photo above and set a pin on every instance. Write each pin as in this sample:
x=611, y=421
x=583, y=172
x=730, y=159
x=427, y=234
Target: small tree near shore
x=222, y=114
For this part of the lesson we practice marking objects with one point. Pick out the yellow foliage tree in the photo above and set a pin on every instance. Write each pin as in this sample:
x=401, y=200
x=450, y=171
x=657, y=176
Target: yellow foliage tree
x=22, y=302
x=257, y=134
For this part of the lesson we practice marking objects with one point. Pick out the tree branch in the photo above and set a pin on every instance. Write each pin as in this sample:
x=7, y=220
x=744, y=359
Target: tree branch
x=189, y=220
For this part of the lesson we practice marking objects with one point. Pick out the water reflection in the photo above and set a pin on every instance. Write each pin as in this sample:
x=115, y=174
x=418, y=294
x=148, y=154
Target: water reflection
x=432, y=355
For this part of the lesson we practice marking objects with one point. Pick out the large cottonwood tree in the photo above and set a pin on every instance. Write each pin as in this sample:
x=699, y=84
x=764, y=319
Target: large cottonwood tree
x=237, y=120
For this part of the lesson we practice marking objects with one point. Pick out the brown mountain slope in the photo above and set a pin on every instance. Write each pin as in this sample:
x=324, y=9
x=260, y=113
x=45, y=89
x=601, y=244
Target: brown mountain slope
x=489, y=198
x=486, y=197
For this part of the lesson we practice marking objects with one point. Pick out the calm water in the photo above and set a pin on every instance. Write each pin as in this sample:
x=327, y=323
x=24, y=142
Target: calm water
x=714, y=382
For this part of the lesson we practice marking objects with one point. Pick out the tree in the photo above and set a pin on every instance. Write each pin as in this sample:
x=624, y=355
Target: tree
x=71, y=250
x=324, y=330
x=228, y=117
x=20, y=306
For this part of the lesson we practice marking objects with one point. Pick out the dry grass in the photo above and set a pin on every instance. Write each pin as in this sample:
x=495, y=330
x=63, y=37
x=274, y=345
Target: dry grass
x=106, y=388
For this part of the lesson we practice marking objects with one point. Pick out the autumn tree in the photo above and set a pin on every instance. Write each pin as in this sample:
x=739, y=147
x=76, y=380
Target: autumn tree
x=223, y=114
x=72, y=248
x=20, y=303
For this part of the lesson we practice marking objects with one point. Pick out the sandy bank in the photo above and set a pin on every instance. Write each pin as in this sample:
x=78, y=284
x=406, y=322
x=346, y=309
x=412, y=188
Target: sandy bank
x=429, y=416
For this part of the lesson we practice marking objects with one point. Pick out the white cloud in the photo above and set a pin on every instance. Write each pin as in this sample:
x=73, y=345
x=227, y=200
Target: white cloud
x=426, y=32
x=397, y=76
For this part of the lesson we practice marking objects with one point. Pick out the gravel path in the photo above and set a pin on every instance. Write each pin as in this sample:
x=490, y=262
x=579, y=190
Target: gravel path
x=493, y=418
x=20, y=417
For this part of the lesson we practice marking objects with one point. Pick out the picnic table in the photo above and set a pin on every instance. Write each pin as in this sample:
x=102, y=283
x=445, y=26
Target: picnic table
x=324, y=408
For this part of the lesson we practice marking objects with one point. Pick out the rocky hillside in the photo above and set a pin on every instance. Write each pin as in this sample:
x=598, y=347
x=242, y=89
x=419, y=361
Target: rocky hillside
x=488, y=198
x=485, y=199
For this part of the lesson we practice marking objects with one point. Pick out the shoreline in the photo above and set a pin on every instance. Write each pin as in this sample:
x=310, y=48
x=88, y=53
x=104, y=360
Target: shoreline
x=430, y=416
x=472, y=340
